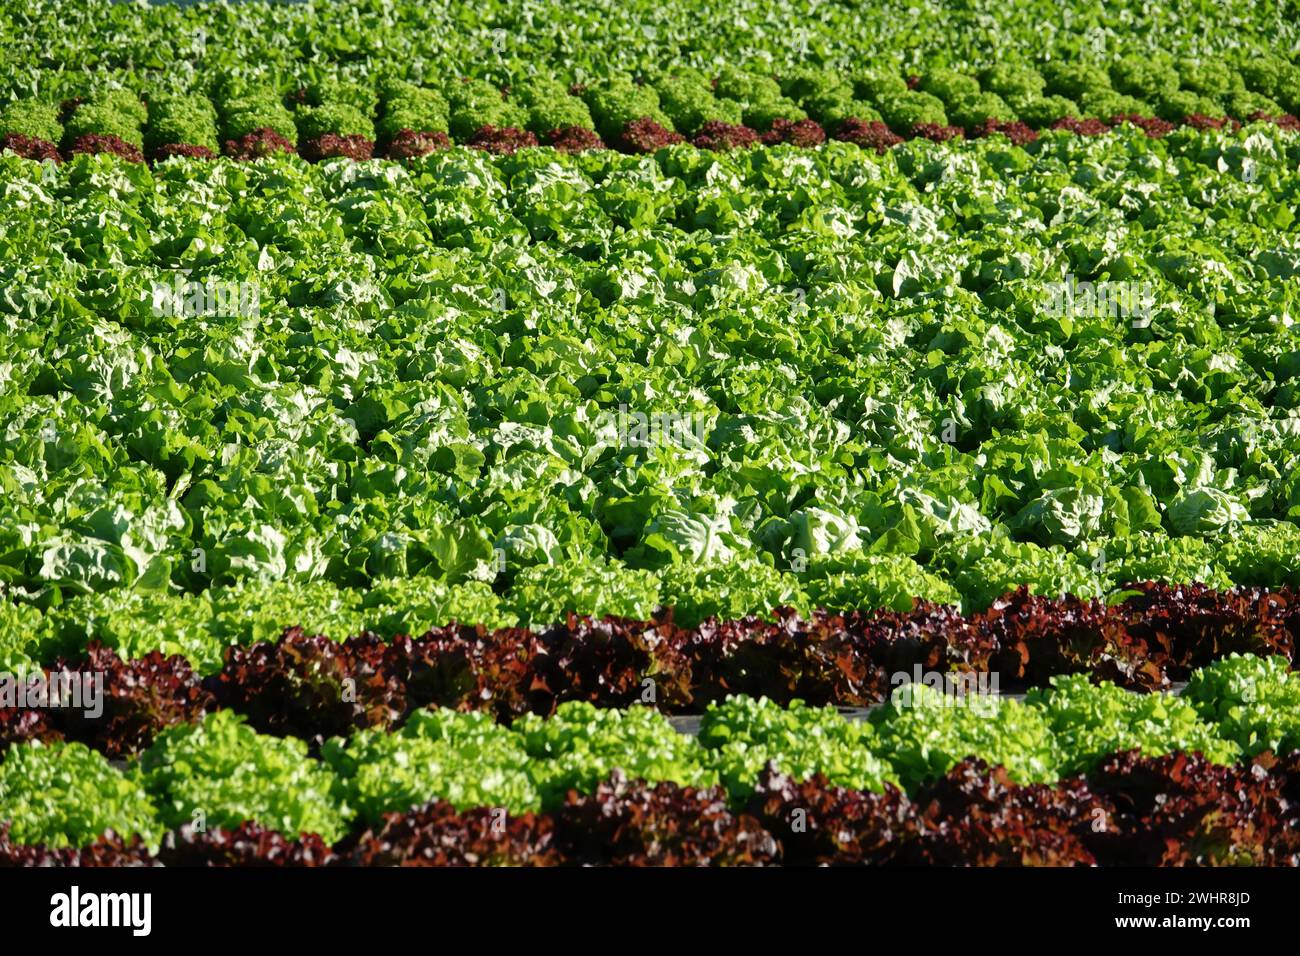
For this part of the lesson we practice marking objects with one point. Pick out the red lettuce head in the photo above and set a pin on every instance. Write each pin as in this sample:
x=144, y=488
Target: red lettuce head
x=1086, y=127
x=408, y=144
x=168, y=150
x=717, y=135
x=1151, y=125
x=1286, y=120
x=1017, y=132
x=332, y=145
x=97, y=143
x=255, y=145
x=29, y=147
x=503, y=141
x=806, y=133
x=938, y=133
x=876, y=135
x=646, y=136
x=572, y=139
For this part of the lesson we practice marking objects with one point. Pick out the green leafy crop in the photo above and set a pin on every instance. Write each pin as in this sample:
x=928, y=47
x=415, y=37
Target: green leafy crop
x=466, y=759
x=260, y=109
x=22, y=630
x=582, y=744
x=972, y=110
x=729, y=590
x=742, y=735
x=189, y=120
x=222, y=772
x=543, y=593
x=924, y=733
x=418, y=108
x=949, y=85
x=338, y=118
x=618, y=101
x=1012, y=80
x=416, y=604
x=31, y=117
x=551, y=106
x=1091, y=722
x=902, y=111
x=477, y=103
x=855, y=580
x=110, y=115
x=689, y=101
x=603, y=383
x=1252, y=701
x=67, y=795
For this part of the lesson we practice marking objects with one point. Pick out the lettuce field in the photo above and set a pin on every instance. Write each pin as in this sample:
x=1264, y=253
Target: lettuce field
x=523, y=433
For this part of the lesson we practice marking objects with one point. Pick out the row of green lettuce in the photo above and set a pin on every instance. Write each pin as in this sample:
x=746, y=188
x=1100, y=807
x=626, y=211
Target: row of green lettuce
x=968, y=572
x=61, y=46
x=841, y=354
x=220, y=772
x=683, y=100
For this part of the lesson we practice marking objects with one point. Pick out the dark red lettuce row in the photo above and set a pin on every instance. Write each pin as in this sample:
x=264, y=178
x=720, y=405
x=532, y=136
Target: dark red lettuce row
x=93, y=143
x=623, y=823
x=1153, y=639
x=1286, y=120
x=874, y=135
x=1181, y=810
x=646, y=136
x=572, y=139
x=409, y=144
x=437, y=835
x=313, y=687
x=637, y=824
x=639, y=136
x=258, y=144
x=1081, y=127
x=140, y=698
x=1019, y=133
x=502, y=141
x=168, y=150
x=722, y=137
x=1176, y=810
x=805, y=133
x=109, y=850
x=936, y=132
x=249, y=844
x=1153, y=126
x=333, y=146
x=30, y=147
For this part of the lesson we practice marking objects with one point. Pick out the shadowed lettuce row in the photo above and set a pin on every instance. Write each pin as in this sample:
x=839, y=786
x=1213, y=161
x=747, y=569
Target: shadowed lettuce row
x=1130, y=810
x=1147, y=636
x=314, y=687
x=221, y=773
x=329, y=116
